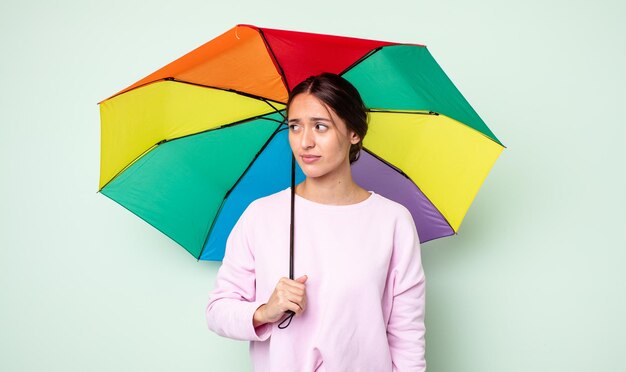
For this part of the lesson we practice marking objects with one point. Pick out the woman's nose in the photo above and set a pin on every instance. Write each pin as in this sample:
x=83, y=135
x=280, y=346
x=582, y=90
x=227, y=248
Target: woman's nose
x=307, y=140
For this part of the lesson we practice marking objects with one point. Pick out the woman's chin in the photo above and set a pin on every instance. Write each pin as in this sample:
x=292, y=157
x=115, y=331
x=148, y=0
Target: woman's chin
x=311, y=171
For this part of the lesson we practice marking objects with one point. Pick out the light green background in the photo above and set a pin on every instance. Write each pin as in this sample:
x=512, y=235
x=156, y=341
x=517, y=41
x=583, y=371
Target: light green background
x=533, y=282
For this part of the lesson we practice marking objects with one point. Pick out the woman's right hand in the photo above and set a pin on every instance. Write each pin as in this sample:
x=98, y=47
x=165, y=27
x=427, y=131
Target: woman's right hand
x=288, y=295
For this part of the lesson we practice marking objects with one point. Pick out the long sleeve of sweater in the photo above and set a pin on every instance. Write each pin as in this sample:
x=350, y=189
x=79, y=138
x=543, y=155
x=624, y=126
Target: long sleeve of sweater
x=405, y=328
x=233, y=301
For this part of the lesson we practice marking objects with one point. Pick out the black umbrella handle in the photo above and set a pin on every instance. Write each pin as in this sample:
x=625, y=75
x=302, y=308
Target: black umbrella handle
x=290, y=313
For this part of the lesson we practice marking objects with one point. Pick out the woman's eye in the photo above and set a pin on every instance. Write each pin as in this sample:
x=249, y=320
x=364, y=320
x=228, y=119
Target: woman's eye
x=294, y=127
x=321, y=127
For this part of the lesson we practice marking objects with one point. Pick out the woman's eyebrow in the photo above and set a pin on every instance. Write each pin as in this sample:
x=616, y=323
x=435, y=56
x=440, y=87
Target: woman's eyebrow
x=320, y=119
x=315, y=118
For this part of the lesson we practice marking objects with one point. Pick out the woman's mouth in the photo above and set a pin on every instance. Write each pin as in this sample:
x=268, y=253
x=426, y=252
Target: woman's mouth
x=308, y=159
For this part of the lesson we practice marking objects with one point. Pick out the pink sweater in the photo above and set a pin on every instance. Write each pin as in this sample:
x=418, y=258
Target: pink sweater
x=365, y=287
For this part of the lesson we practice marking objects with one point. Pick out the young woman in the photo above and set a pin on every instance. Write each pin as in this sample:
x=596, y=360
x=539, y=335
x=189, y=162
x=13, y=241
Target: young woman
x=359, y=298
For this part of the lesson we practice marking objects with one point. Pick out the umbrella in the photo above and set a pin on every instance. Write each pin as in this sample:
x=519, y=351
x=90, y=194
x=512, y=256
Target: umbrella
x=188, y=147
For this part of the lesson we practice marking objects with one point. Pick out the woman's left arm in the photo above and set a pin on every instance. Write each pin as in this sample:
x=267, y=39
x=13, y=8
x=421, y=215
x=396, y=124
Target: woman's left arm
x=405, y=329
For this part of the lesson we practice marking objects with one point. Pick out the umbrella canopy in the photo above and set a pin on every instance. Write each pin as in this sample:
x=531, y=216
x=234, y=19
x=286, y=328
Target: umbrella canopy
x=191, y=145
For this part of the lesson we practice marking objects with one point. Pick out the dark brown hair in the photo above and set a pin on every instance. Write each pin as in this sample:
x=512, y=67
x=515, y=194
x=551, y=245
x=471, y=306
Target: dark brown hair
x=341, y=96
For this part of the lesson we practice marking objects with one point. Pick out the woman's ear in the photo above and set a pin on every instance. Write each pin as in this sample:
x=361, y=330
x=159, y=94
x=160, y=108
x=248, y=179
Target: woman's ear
x=354, y=138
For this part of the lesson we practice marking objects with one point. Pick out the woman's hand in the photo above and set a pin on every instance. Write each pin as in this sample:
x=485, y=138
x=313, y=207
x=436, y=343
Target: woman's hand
x=288, y=295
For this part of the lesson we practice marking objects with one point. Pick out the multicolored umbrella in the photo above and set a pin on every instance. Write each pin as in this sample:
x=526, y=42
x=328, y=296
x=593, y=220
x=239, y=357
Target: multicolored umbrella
x=191, y=145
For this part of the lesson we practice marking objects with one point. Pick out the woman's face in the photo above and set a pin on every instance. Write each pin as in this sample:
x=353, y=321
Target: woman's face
x=319, y=139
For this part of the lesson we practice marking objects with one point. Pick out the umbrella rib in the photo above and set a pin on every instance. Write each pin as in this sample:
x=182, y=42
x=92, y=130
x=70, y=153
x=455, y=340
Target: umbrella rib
x=403, y=112
x=173, y=79
x=364, y=57
x=249, y=95
x=126, y=91
x=281, y=72
x=278, y=129
x=388, y=164
x=149, y=223
x=373, y=110
x=280, y=112
x=243, y=121
x=217, y=213
x=373, y=51
x=131, y=163
x=401, y=172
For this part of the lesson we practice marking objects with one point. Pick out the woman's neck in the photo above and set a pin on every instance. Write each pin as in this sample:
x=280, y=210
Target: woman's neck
x=336, y=192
